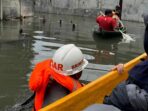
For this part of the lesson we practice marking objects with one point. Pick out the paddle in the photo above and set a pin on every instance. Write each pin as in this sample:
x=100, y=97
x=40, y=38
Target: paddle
x=126, y=37
x=102, y=13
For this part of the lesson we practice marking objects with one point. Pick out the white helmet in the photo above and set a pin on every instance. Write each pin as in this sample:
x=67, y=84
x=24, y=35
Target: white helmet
x=68, y=60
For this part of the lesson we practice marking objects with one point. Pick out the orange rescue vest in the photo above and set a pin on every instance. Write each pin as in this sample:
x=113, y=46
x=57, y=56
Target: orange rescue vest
x=40, y=78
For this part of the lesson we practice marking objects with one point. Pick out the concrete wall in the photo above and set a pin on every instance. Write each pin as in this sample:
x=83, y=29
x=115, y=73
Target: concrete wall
x=70, y=4
x=134, y=9
x=1, y=17
x=10, y=8
x=110, y=4
x=27, y=7
x=74, y=7
x=15, y=8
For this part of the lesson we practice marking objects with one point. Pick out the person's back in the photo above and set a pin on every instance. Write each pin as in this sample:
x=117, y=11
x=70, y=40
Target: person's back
x=106, y=22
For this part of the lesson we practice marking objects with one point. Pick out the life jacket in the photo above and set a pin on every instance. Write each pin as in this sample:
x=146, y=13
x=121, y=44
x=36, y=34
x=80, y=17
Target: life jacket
x=40, y=78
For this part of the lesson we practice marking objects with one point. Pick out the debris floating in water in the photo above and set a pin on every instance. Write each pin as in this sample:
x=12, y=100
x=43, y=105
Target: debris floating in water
x=39, y=32
x=43, y=37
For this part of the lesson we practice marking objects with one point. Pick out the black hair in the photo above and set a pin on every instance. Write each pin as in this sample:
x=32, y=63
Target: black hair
x=108, y=11
x=117, y=7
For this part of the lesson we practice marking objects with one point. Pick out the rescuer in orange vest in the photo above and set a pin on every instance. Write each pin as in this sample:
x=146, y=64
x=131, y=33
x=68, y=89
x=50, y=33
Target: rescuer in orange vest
x=65, y=68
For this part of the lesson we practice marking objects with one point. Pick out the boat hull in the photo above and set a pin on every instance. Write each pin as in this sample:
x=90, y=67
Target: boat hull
x=109, y=34
x=93, y=92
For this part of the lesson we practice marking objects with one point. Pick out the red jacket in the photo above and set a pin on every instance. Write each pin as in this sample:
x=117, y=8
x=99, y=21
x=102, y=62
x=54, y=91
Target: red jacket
x=106, y=23
x=40, y=78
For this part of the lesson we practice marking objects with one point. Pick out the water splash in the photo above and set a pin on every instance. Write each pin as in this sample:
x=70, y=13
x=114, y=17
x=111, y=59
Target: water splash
x=126, y=38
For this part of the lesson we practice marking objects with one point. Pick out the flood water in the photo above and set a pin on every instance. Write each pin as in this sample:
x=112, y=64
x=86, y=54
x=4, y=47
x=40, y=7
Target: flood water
x=41, y=37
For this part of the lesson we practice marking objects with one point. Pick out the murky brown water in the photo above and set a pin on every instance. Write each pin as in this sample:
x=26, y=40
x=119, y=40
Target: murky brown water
x=40, y=39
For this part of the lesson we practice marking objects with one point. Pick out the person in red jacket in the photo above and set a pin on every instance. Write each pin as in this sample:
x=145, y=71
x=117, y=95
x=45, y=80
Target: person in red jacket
x=106, y=22
x=62, y=71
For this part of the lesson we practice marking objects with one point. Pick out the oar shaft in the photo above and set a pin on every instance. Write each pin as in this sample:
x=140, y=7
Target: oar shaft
x=102, y=13
x=121, y=23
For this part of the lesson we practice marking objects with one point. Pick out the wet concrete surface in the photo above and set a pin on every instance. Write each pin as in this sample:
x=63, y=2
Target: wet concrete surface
x=23, y=44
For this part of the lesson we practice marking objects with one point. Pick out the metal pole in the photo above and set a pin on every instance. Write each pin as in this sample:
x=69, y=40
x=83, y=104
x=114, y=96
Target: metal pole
x=120, y=4
x=1, y=2
x=20, y=9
